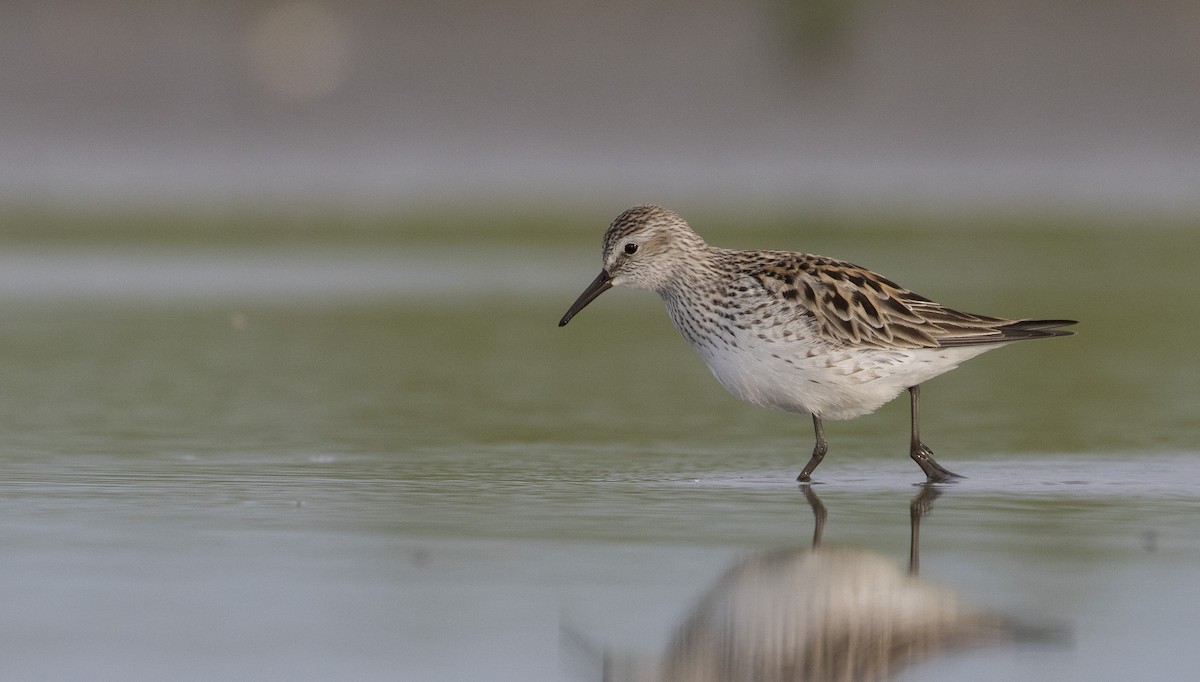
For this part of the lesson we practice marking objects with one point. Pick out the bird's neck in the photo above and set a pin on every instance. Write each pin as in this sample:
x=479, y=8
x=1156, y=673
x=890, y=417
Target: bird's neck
x=697, y=271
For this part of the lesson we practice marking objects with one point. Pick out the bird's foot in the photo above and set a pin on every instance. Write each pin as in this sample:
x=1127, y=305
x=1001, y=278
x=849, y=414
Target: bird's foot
x=818, y=454
x=934, y=472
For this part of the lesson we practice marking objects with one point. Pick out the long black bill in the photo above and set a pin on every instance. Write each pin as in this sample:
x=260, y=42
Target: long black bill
x=601, y=284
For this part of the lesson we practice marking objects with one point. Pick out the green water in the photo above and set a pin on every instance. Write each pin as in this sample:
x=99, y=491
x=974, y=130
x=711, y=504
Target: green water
x=372, y=458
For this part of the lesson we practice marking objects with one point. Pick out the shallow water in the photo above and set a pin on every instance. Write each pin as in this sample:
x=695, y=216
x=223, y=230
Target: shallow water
x=392, y=465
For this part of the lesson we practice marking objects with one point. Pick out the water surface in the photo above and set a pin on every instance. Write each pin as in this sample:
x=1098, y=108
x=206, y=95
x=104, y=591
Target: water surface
x=390, y=464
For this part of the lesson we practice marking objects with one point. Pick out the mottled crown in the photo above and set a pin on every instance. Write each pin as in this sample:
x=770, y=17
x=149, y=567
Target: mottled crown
x=650, y=247
x=647, y=218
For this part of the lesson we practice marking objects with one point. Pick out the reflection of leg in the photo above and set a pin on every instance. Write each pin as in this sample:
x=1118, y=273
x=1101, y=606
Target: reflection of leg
x=921, y=454
x=819, y=514
x=919, y=507
x=818, y=454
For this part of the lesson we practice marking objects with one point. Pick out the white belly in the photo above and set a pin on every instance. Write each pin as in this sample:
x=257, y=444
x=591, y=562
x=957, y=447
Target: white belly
x=785, y=366
x=833, y=384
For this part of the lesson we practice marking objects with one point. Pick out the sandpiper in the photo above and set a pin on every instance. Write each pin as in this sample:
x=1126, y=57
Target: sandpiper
x=799, y=332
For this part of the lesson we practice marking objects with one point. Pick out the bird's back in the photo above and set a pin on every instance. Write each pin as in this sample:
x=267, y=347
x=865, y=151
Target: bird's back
x=855, y=307
x=805, y=333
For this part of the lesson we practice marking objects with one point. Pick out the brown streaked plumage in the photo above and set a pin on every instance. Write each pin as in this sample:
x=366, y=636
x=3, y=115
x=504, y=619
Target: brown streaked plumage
x=795, y=331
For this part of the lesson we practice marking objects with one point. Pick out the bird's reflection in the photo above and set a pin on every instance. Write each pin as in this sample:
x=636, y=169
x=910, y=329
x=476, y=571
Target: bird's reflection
x=822, y=613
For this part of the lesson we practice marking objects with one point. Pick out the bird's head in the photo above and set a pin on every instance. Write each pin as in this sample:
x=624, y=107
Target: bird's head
x=646, y=247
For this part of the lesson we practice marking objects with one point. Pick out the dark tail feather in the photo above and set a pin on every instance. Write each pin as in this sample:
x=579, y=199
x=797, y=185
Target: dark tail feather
x=1034, y=329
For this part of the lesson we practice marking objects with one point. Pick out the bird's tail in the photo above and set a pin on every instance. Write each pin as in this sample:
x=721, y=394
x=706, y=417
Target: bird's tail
x=1018, y=330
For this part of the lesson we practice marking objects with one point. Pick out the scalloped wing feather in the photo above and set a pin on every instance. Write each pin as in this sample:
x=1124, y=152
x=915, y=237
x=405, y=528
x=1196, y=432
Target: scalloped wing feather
x=853, y=306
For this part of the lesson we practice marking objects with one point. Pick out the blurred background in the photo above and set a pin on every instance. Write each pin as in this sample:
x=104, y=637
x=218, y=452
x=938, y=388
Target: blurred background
x=282, y=394
x=799, y=104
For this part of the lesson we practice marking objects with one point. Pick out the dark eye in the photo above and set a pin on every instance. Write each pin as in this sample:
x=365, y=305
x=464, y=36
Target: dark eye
x=631, y=248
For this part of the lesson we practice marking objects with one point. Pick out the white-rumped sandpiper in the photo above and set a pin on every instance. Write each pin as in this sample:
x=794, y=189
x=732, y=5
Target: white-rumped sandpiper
x=799, y=332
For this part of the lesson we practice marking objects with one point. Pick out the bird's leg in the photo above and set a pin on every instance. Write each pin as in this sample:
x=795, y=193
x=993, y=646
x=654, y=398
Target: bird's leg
x=818, y=454
x=921, y=454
